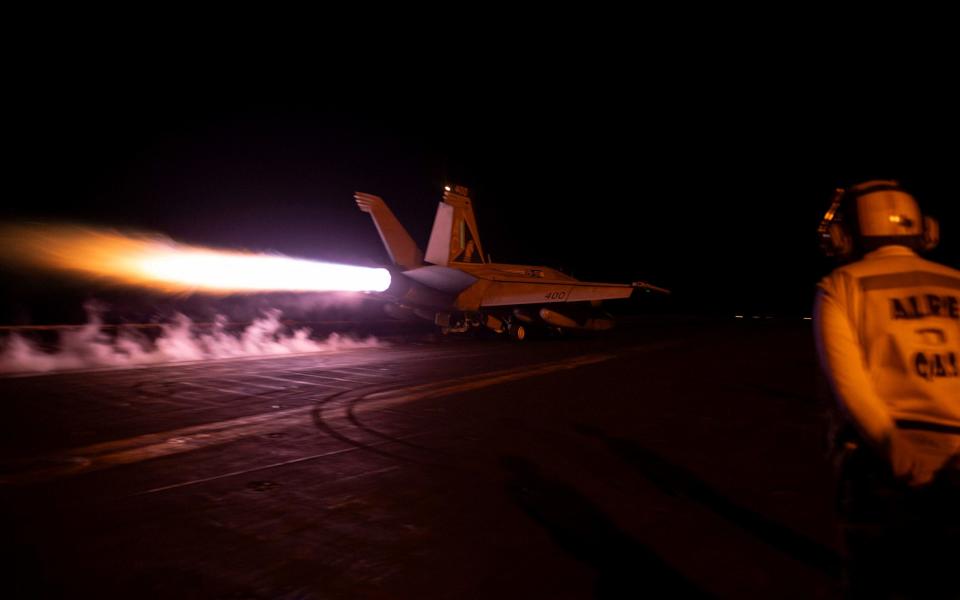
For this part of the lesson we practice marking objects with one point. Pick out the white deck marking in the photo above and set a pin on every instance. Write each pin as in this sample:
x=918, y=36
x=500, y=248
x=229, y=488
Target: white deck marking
x=280, y=464
x=232, y=392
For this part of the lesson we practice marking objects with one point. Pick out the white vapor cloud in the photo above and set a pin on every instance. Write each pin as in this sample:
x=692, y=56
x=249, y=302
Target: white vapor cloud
x=91, y=347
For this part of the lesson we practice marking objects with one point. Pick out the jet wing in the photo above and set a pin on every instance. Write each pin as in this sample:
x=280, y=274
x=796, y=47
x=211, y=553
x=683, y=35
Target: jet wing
x=509, y=293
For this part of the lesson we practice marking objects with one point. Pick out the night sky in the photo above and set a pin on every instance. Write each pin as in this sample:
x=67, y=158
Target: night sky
x=706, y=177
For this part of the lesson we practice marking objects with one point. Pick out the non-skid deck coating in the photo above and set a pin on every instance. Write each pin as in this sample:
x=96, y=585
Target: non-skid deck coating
x=673, y=453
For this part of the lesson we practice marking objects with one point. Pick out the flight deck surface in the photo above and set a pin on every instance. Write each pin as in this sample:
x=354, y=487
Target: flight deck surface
x=673, y=452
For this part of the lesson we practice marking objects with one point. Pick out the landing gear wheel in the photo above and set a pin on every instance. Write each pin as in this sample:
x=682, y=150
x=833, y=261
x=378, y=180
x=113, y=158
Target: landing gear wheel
x=518, y=332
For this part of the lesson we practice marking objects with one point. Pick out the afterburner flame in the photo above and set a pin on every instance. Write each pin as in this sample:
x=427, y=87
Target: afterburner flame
x=158, y=262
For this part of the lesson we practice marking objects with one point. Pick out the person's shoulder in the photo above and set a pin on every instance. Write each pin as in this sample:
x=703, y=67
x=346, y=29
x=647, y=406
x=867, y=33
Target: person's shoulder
x=840, y=276
x=929, y=265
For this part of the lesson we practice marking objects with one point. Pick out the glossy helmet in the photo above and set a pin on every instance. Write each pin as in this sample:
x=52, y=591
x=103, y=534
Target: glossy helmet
x=872, y=214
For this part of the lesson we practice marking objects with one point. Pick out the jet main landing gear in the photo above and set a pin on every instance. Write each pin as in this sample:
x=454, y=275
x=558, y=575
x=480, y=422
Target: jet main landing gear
x=517, y=331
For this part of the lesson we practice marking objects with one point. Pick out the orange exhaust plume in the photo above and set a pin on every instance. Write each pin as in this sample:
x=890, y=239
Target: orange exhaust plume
x=157, y=262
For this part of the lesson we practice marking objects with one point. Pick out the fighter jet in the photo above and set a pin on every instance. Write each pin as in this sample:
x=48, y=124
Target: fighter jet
x=459, y=288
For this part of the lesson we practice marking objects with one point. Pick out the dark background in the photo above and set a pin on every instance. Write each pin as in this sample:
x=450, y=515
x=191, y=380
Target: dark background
x=706, y=173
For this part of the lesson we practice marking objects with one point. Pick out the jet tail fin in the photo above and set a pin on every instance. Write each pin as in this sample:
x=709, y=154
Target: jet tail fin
x=454, y=238
x=400, y=246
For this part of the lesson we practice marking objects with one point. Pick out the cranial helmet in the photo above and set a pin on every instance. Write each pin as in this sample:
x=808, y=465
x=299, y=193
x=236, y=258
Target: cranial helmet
x=873, y=214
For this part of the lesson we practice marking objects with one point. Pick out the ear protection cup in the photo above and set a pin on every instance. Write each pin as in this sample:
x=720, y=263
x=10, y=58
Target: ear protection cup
x=931, y=233
x=841, y=242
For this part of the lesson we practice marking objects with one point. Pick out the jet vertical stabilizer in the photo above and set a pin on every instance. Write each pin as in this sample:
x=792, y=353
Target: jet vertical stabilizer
x=401, y=247
x=454, y=238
